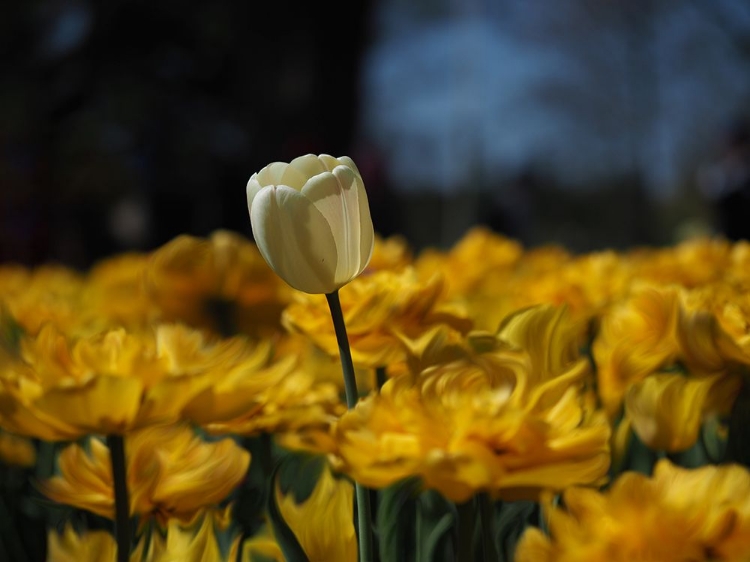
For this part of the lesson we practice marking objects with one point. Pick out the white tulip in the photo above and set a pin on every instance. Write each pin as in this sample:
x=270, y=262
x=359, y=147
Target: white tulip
x=311, y=221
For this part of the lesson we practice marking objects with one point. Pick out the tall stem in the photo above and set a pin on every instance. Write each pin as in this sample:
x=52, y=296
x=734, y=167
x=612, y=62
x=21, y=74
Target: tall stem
x=116, y=445
x=487, y=513
x=364, y=516
x=466, y=523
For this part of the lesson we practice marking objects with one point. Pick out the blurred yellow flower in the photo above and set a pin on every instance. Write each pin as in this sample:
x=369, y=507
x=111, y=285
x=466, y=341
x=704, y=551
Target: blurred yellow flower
x=91, y=546
x=667, y=410
x=324, y=522
x=477, y=271
x=115, y=381
x=586, y=284
x=508, y=420
x=172, y=474
x=16, y=451
x=637, y=336
x=196, y=281
x=311, y=221
x=392, y=253
x=729, y=304
x=386, y=313
x=287, y=398
x=674, y=516
x=663, y=353
x=46, y=294
x=691, y=263
x=114, y=295
x=196, y=542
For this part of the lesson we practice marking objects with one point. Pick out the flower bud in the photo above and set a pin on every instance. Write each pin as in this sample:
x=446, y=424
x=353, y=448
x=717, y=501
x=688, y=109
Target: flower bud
x=311, y=221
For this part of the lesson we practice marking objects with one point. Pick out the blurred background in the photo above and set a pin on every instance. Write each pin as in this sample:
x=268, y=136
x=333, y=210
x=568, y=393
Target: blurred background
x=591, y=123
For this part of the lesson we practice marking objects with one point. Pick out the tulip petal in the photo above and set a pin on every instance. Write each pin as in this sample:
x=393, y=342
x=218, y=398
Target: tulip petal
x=309, y=165
x=346, y=161
x=295, y=239
x=252, y=189
x=281, y=173
x=106, y=405
x=667, y=409
x=341, y=198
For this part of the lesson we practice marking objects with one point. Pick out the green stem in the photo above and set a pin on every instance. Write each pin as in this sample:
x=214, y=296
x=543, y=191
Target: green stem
x=339, y=326
x=364, y=516
x=116, y=445
x=466, y=522
x=381, y=376
x=487, y=513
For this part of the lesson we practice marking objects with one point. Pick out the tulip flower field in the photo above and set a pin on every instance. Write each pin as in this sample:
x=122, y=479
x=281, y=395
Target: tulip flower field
x=317, y=392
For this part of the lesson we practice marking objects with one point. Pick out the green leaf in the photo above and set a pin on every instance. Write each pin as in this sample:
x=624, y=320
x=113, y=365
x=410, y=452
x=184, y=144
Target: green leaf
x=714, y=439
x=511, y=520
x=436, y=522
x=395, y=520
x=285, y=537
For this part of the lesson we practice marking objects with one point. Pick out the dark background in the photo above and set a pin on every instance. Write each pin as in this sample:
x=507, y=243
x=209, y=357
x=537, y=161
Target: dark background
x=126, y=123
x=154, y=114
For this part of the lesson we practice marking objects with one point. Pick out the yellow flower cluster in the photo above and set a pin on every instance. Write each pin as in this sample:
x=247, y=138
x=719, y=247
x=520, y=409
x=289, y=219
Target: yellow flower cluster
x=509, y=373
x=676, y=515
x=509, y=418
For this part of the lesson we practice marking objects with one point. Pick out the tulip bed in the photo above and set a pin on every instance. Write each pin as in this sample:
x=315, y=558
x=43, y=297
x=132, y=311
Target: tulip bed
x=511, y=403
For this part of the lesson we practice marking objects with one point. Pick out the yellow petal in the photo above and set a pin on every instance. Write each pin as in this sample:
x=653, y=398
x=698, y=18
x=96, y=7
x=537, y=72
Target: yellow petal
x=324, y=523
x=105, y=405
x=667, y=409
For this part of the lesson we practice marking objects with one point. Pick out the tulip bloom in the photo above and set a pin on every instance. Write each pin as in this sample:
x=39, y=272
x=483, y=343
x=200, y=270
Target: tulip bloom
x=311, y=221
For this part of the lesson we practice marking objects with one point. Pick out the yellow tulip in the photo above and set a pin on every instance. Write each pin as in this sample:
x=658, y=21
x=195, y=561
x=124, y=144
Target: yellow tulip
x=667, y=410
x=386, y=314
x=196, y=542
x=510, y=420
x=189, y=276
x=172, y=474
x=311, y=221
x=323, y=523
x=94, y=546
x=637, y=337
x=673, y=516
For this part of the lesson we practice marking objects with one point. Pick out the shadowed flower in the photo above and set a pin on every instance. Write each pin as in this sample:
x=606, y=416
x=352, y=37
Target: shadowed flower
x=16, y=451
x=674, y=516
x=172, y=473
x=47, y=294
x=221, y=282
x=114, y=295
x=509, y=420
